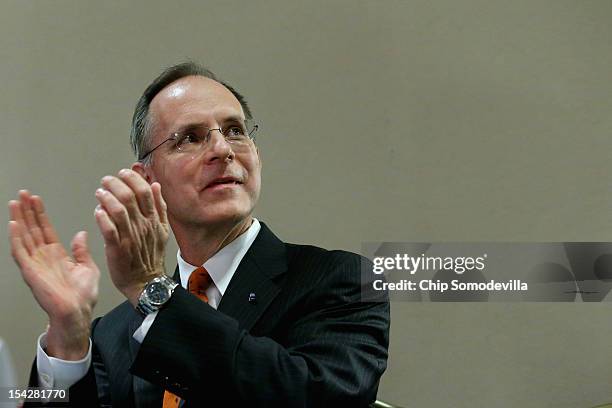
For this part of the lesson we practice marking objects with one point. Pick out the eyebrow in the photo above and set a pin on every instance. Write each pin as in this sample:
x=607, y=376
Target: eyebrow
x=188, y=127
x=192, y=126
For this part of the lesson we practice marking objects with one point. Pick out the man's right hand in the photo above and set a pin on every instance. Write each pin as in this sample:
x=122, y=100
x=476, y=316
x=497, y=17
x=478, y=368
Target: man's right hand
x=65, y=287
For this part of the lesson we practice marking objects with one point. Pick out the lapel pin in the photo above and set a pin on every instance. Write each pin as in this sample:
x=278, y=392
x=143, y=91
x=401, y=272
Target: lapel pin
x=252, y=297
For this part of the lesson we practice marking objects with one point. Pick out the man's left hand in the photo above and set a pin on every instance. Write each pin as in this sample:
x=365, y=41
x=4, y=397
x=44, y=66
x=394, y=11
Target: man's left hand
x=133, y=221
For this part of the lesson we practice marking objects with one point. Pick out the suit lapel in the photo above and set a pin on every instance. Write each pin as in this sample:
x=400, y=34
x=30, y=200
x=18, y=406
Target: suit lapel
x=253, y=286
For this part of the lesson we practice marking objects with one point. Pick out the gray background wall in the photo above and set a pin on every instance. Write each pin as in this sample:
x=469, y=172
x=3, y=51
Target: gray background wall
x=388, y=120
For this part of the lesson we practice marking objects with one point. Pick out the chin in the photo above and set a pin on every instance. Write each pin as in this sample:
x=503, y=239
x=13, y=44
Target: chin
x=225, y=215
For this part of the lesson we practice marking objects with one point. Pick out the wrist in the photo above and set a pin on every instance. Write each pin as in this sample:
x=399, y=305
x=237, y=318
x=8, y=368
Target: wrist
x=133, y=293
x=156, y=293
x=68, y=340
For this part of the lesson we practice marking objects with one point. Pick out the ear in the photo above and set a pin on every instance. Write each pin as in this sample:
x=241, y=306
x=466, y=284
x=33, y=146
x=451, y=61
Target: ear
x=144, y=171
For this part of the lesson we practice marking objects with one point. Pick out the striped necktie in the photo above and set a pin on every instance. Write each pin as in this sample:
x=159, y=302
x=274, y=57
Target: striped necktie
x=199, y=281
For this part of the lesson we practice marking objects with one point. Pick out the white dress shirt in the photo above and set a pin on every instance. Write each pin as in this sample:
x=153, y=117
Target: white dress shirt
x=61, y=374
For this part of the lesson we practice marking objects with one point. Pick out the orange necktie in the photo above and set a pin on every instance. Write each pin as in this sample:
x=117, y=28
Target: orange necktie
x=199, y=281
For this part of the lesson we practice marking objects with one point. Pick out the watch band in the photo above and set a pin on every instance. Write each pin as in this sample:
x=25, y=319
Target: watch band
x=155, y=294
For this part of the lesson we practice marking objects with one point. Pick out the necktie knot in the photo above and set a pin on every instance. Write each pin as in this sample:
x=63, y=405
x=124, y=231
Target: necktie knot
x=199, y=282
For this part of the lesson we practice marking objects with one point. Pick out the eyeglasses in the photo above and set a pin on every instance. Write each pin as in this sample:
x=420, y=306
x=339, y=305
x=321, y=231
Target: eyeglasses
x=195, y=138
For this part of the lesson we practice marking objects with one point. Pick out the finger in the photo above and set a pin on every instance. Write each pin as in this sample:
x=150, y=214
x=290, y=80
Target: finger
x=30, y=218
x=116, y=211
x=17, y=216
x=160, y=203
x=18, y=250
x=15, y=211
x=106, y=226
x=30, y=232
x=141, y=189
x=123, y=193
x=80, y=251
x=48, y=232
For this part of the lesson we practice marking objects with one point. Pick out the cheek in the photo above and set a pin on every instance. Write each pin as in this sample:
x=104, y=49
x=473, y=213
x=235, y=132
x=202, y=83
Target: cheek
x=176, y=173
x=172, y=191
x=255, y=178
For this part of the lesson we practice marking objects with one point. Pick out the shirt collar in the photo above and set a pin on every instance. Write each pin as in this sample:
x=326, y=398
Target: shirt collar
x=222, y=265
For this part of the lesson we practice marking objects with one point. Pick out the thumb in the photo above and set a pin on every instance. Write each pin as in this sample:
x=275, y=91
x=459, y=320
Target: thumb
x=80, y=252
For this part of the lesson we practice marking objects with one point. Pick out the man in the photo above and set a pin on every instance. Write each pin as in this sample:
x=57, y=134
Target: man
x=253, y=320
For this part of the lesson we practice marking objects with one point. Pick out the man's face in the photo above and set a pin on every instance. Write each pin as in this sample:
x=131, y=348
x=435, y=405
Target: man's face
x=190, y=182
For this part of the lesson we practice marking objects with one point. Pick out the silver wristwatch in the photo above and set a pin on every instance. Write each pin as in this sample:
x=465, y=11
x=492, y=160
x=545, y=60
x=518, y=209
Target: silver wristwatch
x=155, y=294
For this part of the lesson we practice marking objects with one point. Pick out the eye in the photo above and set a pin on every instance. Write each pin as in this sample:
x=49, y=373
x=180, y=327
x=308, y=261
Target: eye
x=234, y=132
x=184, y=140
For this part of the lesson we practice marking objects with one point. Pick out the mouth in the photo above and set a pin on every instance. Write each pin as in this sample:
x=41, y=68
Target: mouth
x=223, y=182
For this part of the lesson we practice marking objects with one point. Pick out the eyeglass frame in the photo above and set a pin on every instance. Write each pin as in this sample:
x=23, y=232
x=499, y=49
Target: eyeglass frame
x=255, y=128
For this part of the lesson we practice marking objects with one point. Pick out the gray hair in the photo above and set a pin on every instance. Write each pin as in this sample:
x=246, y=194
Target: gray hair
x=140, y=132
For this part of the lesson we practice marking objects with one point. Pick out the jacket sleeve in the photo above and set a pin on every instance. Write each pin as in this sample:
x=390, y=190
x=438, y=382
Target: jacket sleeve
x=334, y=353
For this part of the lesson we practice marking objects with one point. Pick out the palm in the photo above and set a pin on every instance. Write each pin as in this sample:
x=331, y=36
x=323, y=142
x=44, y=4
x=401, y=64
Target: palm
x=59, y=281
x=63, y=285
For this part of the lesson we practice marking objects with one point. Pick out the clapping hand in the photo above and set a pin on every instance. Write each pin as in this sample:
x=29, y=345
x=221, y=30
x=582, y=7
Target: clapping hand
x=133, y=221
x=65, y=286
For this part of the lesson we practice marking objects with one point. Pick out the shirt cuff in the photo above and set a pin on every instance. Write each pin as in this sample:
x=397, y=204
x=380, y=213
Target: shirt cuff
x=142, y=331
x=57, y=373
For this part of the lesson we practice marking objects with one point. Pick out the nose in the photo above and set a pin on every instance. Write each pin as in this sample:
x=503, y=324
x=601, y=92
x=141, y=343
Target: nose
x=217, y=148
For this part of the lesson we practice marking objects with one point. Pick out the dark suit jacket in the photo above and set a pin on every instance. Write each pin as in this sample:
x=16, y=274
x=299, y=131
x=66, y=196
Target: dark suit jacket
x=305, y=341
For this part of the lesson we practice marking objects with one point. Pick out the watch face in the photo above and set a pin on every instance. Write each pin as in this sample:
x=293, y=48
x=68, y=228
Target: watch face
x=157, y=293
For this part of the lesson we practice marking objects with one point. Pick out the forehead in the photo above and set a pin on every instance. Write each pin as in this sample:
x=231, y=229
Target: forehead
x=192, y=100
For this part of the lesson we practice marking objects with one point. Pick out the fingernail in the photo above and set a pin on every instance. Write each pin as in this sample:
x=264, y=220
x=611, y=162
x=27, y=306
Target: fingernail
x=105, y=178
x=123, y=172
x=100, y=191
